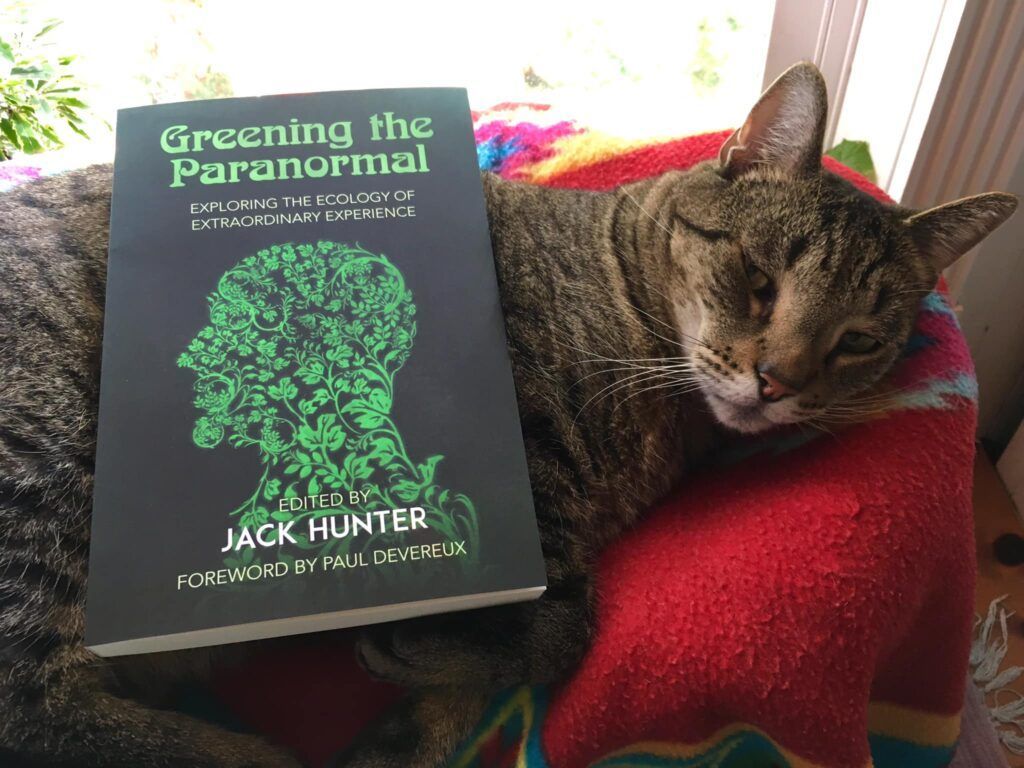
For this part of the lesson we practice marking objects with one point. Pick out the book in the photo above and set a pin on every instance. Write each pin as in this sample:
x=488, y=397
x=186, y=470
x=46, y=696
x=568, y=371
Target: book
x=307, y=413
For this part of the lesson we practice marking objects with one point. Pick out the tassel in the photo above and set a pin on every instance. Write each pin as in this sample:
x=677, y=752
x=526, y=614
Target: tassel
x=1003, y=679
x=987, y=655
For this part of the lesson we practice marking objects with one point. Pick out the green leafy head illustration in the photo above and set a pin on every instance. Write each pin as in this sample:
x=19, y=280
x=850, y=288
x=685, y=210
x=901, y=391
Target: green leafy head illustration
x=298, y=362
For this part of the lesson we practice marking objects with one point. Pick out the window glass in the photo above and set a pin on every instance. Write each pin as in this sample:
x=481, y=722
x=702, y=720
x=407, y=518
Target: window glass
x=636, y=69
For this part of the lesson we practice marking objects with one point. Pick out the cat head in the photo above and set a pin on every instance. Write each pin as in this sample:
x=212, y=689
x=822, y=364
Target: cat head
x=800, y=290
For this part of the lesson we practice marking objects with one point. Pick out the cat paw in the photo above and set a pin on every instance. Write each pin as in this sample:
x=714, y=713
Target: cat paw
x=394, y=655
x=414, y=656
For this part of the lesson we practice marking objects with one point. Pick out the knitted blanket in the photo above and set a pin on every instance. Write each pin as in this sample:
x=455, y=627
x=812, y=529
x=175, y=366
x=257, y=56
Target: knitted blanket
x=810, y=607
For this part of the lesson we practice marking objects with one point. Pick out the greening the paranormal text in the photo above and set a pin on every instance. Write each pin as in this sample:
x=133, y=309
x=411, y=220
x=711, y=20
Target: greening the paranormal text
x=185, y=142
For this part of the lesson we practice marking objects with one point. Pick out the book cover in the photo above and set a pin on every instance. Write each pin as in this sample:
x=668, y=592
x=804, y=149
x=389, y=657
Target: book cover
x=307, y=413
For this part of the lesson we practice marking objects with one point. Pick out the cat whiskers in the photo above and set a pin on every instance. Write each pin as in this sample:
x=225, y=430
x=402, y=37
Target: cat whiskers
x=818, y=425
x=595, y=357
x=641, y=369
x=670, y=364
x=863, y=407
x=678, y=370
x=645, y=213
x=623, y=363
x=668, y=301
x=672, y=329
x=678, y=375
x=675, y=389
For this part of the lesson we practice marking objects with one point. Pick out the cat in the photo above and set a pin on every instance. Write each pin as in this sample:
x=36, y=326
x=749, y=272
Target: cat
x=645, y=325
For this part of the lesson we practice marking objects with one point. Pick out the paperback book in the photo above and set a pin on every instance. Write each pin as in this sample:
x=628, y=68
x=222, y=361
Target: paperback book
x=307, y=412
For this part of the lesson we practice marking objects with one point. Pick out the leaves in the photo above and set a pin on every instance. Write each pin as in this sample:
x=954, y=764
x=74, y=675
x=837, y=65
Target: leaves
x=283, y=390
x=272, y=489
x=37, y=90
x=312, y=373
x=207, y=433
x=382, y=450
x=414, y=488
x=245, y=557
x=365, y=418
x=406, y=490
x=357, y=467
x=855, y=155
x=427, y=468
x=50, y=25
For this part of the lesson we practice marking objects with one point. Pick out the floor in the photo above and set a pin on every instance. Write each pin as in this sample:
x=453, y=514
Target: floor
x=994, y=515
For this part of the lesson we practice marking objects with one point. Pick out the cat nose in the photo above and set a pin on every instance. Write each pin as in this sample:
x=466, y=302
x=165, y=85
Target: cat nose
x=772, y=387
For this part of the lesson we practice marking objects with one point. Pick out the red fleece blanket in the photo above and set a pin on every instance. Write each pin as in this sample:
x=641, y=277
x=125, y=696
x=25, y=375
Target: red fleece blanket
x=809, y=606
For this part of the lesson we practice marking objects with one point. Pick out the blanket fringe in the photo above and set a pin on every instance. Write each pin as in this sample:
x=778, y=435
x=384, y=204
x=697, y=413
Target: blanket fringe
x=988, y=651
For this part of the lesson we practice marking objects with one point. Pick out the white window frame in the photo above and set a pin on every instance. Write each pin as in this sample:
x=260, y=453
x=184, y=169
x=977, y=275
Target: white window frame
x=824, y=32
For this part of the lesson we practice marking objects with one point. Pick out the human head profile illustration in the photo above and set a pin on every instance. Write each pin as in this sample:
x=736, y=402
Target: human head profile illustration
x=298, y=364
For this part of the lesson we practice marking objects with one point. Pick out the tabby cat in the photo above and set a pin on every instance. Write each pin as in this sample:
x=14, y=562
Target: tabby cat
x=644, y=324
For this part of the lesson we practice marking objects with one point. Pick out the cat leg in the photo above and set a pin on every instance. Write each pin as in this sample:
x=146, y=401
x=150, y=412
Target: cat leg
x=458, y=662
x=69, y=719
x=491, y=648
x=420, y=732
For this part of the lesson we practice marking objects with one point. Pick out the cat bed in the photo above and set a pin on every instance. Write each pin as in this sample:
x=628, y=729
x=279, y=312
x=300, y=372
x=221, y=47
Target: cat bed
x=810, y=607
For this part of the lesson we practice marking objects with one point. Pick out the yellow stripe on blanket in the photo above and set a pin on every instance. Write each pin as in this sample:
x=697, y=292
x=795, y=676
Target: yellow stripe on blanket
x=887, y=723
x=913, y=725
x=679, y=751
x=521, y=700
x=580, y=150
x=889, y=720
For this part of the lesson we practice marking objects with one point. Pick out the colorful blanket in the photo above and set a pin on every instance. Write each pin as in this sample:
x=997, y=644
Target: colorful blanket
x=810, y=607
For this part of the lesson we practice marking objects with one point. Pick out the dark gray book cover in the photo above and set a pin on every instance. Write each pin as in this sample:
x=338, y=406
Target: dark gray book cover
x=307, y=413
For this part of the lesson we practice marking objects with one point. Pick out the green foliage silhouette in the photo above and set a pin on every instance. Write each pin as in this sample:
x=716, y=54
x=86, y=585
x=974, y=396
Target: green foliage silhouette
x=298, y=362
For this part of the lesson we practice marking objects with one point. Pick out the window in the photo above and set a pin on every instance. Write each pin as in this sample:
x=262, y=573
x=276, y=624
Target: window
x=636, y=69
x=901, y=53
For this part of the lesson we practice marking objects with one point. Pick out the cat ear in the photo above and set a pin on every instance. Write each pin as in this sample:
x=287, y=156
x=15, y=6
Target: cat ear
x=947, y=232
x=785, y=129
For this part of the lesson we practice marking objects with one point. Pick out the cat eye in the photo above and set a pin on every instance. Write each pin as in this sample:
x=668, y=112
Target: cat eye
x=762, y=288
x=759, y=281
x=857, y=343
